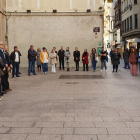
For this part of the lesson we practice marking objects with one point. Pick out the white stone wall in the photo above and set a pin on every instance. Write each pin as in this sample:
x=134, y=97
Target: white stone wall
x=50, y=31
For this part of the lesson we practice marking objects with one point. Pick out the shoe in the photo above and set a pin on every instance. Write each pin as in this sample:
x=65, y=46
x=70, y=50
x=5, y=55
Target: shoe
x=35, y=74
x=101, y=70
x=12, y=76
x=54, y=73
x=19, y=73
x=6, y=90
x=112, y=71
x=18, y=76
x=10, y=89
x=45, y=72
x=29, y=74
x=105, y=70
x=1, y=94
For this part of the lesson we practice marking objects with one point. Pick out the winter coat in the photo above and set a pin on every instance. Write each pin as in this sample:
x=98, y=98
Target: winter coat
x=76, y=55
x=53, y=58
x=91, y=56
x=38, y=58
x=1, y=67
x=42, y=56
x=138, y=57
x=133, y=59
x=115, y=58
x=2, y=57
x=12, y=57
x=61, y=54
x=126, y=57
x=67, y=59
x=7, y=58
x=32, y=55
x=85, y=59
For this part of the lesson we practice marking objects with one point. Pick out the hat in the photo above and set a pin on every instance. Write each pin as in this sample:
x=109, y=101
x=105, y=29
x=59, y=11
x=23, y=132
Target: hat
x=43, y=48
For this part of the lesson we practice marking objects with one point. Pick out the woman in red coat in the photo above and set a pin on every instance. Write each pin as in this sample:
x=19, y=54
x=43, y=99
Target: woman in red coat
x=85, y=60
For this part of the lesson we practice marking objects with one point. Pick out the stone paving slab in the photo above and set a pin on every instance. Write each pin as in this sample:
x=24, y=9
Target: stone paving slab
x=44, y=107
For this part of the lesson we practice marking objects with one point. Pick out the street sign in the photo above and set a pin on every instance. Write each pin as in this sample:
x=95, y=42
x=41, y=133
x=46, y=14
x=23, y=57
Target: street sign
x=96, y=29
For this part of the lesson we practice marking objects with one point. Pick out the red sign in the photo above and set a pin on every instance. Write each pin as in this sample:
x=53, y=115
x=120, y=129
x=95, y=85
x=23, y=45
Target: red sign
x=96, y=29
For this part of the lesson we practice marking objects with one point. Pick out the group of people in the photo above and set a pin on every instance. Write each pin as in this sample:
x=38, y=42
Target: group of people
x=63, y=56
x=132, y=56
x=9, y=62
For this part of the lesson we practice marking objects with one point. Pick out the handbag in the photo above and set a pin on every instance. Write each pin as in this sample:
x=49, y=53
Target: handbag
x=106, y=58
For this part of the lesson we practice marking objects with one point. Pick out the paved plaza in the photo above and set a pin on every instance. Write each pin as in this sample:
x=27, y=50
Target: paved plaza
x=69, y=106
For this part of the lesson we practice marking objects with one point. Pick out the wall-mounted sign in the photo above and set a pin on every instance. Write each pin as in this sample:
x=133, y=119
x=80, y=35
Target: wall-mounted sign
x=96, y=29
x=100, y=44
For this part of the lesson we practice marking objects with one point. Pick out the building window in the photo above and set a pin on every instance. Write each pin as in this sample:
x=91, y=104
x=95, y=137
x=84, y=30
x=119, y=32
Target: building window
x=122, y=26
x=130, y=22
x=135, y=2
x=136, y=21
x=127, y=24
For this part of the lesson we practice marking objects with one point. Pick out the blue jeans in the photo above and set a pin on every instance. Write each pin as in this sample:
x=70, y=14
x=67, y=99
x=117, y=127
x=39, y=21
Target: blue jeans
x=31, y=63
x=94, y=64
x=127, y=64
x=44, y=66
x=15, y=68
x=103, y=61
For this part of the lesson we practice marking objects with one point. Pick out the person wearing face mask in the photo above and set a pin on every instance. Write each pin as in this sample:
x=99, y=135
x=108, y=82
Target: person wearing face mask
x=133, y=62
x=67, y=58
x=85, y=60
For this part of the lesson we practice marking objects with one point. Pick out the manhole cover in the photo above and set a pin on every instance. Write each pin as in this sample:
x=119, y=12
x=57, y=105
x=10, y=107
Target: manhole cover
x=81, y=77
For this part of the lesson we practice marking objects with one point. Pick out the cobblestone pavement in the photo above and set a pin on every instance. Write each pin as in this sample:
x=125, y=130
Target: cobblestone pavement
x=44, y=107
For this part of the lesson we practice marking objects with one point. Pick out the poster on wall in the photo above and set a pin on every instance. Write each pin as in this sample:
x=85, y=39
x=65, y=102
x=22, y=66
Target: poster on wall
x=99, y=50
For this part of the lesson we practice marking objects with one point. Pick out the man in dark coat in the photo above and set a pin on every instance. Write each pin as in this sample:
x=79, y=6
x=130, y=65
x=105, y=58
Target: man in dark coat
x=61, y=57
x=2, y=55
x=32, y=58
x=15, y=60
x=76, y=55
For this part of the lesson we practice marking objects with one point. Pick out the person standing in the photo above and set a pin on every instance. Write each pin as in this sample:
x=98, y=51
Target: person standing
x=44, y=60
x=85, y=60
x=53, y=61
x=133, y=62
x=126, y=58
x=61, y=54
x=103, y=55
x=38, y=59
x=5, y=85
x=32, y=58
x=4, y=65
x=67, y=58
x=54, y=48
x=138, y=58
x=76, y=55
x=94, y=58
x=15, y=60
x=115, y=58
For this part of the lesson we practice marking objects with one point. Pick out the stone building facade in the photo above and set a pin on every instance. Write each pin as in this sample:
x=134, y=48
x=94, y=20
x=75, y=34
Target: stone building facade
x=72, y=26
x=2, y=20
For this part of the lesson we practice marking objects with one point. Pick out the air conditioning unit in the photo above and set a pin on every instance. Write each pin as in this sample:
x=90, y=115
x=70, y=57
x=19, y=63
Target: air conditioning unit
x=55, y=11
x=28, y=11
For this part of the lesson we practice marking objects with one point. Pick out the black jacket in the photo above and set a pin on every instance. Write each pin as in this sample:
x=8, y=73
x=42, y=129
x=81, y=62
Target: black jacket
x=12, y=57
x=3, y=58
x=61, y=54
x=7, y=58
x=76, y=55
x=1, y=64
x=32, y=55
